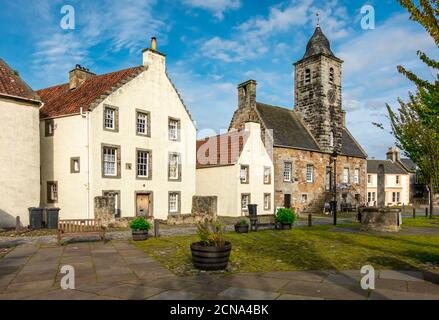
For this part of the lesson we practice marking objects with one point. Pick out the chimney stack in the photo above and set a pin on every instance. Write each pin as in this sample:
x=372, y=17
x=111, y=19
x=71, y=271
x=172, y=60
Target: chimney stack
x=247, y=94
x=153, y=58
x=393, y=154
x=78, y=76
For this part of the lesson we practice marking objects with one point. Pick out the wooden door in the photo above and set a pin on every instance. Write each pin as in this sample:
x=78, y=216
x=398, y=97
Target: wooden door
x=142, y=205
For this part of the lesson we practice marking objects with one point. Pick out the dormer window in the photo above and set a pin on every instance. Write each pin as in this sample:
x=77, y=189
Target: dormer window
x=308, y=76
x=331, y=75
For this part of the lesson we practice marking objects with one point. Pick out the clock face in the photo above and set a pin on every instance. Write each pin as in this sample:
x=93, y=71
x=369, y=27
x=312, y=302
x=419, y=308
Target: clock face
x=331, y=96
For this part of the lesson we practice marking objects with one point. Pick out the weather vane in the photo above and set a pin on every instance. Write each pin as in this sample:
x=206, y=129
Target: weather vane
x=318, y=18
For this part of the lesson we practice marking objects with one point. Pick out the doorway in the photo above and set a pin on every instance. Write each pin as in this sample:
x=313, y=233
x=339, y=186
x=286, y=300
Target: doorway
x=144, y=204
x=287, y=200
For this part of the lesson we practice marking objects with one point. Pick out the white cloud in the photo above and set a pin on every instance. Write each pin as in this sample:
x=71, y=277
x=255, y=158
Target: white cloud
x=216, y=7
x=254, y=37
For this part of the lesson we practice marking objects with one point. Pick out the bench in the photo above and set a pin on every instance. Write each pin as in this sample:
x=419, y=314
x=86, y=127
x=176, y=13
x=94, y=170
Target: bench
x=79, y=227
x=256, y=221
x=347, y=207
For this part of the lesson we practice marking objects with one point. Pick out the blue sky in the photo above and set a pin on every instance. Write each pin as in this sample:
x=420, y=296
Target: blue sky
x=212, y=46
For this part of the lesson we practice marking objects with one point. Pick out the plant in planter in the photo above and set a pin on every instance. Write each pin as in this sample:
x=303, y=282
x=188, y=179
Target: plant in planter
x=212, y=252
x=242, y=226
x=285, y=217
x=140, y=227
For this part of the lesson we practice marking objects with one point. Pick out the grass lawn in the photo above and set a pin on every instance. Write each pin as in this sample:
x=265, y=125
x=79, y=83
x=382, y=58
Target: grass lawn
x=421, y=222
x=304, y=248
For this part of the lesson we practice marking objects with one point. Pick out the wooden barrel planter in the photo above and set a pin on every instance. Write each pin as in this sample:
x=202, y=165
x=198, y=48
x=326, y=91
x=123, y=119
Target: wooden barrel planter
x=140, y=235
x=241, y=228
x=210, y=258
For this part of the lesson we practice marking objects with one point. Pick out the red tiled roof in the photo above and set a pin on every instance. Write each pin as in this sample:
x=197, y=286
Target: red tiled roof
x=221, y=150
x=11, y=84
x=60, y=100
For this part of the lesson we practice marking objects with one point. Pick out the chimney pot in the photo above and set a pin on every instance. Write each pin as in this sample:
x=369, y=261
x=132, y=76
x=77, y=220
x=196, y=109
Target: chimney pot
x=154, y=43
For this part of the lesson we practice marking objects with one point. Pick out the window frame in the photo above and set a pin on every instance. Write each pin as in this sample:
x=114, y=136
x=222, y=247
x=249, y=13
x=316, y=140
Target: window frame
x=269, y=175
x=177, y=202
x=290, y=165
x=115, y=118
x=147, y=123
x=178, y=129
x=72, y=165
x=357, y=175
x=302, y=196
x=117, y=161
x=397, y=179
x=346, y=175
x=267, y=195
x=248, y=202
x=148, y=164
x=247, y=175
x=49, y=123
x=311, y=172
x=179, y=167
x=308, y=76
x=49, y=184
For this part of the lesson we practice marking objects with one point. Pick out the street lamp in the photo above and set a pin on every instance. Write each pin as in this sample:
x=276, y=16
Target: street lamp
x=334, y=201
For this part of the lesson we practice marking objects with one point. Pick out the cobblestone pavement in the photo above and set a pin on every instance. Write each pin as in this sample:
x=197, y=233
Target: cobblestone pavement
x=118, y=270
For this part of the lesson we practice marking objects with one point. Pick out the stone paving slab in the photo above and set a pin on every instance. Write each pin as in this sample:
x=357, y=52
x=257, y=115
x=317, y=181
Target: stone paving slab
x=118, y=270
x=248, y=294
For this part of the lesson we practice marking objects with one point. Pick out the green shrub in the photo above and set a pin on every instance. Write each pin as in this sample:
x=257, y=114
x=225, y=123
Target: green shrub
x=211, y=233
x=285, y=216
x=242, y=222
x=140, y=223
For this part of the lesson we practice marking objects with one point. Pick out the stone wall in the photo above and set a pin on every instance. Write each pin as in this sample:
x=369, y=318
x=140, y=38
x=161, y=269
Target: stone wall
x=315, y=191
x=205, y=205
x=105, y=210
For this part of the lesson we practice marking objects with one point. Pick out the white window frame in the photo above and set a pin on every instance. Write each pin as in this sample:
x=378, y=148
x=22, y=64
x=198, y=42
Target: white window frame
x=267, y=175
x=398, y=180
x=143, y=159
x=173, y=202
x=174, y=158
x=288, y=172
x=345, y=175
x=244, y=173
x=267, y=201
x=398, y=197
x=110, y=161
x=142, y=122
x=53, y=191
x=109, y=118
x=173, y=129
x=243, y=196
x=309, y=173
x=356, y=175
x=304, y=198
x=369, y=179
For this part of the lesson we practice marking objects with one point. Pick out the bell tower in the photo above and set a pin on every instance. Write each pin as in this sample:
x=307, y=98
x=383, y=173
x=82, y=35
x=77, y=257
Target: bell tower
x=317, y=92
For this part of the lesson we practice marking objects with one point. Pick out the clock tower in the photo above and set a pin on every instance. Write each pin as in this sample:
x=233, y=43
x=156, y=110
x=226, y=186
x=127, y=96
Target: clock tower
x=317, y=92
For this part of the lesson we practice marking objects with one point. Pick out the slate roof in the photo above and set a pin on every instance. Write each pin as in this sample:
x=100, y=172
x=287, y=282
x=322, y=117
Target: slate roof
x=60, y=100
x=290, y=132
x=318, y=44
x=389, y=167
x=12, y=85
x=408, y=164
x=222, y=150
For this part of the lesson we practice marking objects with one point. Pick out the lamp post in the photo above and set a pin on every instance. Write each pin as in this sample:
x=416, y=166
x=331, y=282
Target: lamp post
x=334, y=201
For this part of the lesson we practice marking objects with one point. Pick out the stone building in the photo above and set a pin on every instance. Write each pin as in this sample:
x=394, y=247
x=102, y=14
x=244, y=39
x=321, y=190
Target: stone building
x=311, y=138
x=20, y=148
x=237, y=169
x=125, y=134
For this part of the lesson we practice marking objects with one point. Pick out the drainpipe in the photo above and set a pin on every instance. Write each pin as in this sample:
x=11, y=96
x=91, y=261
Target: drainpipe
x=86, y=115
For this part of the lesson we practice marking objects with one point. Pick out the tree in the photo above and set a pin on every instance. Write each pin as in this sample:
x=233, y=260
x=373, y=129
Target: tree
x=418, y=141
x=426, y=14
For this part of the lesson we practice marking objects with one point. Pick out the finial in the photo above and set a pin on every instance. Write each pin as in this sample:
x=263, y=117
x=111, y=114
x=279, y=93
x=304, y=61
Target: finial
x=318, y=18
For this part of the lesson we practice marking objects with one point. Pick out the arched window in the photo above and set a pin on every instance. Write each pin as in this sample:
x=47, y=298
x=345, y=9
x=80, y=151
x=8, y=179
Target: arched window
x=331, y=75
x=331, y=139
x=308, y=76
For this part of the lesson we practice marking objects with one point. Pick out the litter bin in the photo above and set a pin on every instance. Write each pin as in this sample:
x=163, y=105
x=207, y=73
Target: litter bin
x=252, y=210
x=52, y=215
x=36, y=218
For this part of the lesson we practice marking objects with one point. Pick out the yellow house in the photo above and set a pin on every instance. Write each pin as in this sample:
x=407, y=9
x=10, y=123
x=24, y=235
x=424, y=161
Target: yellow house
x=20, y=148
x=125, y=134
x=237, y=168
